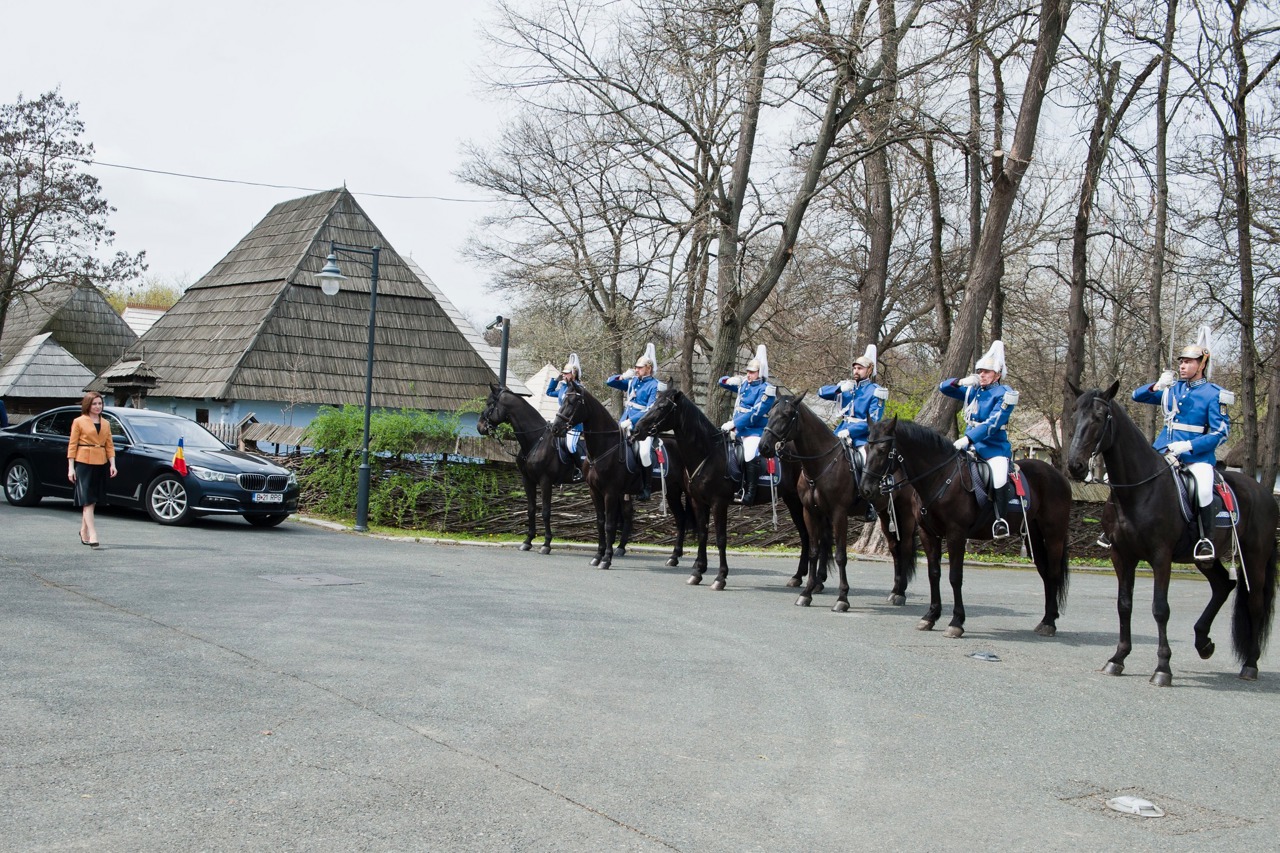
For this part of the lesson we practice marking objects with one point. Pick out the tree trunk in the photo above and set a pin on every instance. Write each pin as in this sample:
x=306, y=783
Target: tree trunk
x=1008, y=173
x=1238, y=149
x=1160, y=224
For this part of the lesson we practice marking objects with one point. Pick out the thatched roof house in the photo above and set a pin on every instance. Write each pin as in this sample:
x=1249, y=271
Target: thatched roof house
x=55, y=340
x=257, y=335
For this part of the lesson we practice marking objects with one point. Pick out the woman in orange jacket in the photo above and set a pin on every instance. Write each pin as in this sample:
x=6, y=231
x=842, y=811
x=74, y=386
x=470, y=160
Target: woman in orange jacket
x=89, y=452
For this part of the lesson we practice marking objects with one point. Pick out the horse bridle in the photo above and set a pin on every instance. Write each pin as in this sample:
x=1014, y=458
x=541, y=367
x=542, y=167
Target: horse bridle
x=568, y=418
x=1108, y=429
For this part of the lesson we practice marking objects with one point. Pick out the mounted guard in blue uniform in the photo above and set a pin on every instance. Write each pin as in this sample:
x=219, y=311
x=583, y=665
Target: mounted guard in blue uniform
x=639, y=387
x=569, y=374
x=987, y=406
x=756, y=397
x=1194, y=425
x=861, y=404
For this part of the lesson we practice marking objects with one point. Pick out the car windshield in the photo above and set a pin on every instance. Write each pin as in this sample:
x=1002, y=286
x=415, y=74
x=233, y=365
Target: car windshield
x=167, y=431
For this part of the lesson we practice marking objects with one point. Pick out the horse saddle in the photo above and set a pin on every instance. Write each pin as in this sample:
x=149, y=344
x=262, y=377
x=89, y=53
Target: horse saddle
x=661, y=461
x=567, y=456
x=1226, y=512
x=735, y=465
x=980, y=478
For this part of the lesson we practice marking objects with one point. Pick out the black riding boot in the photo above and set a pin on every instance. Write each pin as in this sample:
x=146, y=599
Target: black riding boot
x=999, y=503
x=646, y=477
x=751, y=471
x=870, y=515
x=1204, y=548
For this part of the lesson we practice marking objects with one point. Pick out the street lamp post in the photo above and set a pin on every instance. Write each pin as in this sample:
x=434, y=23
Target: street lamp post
x=331, y=278
x=505, y=323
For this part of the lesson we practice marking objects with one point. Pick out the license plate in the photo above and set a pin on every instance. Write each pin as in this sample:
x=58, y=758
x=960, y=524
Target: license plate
x=268, y=498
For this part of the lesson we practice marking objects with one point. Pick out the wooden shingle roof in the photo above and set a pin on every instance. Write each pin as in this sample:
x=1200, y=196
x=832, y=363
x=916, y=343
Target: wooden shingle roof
x=257, y=327
x=76, y=315
x=43, y=369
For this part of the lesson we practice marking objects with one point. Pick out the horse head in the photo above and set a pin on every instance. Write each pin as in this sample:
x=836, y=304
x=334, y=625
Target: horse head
x=661, y=417
x=1094, y=431
x=572, y=410
x=493, y=413
x=881, y=458
x=783, y=424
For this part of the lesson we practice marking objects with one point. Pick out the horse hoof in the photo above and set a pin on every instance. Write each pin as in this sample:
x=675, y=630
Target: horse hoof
x=595, y=561
x=694, y=580
x=1113, y=668
x=804, y=601
x=841, y=607
x=619, y=552
x=1162, y=679
x=953, y=632
x=924, y=625
x=1249, y=673
x=545, y=549
x=718, y=585
x=1206, y=651
x=794, y=582
x=604, y=564
x=897, y=600
x=526, y=547
x=1044, y=629
x=674, y=561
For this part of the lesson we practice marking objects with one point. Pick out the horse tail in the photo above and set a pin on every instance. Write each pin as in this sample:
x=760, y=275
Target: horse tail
x=1062, y=570
x=1244, y=634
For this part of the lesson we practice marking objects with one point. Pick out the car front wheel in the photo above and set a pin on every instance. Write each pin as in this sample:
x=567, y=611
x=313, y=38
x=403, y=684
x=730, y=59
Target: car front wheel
x=19, y=484
x=168, y=501
x=266, y=520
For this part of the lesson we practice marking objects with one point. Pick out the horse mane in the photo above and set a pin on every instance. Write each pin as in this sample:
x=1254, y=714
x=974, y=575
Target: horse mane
x=921, y=434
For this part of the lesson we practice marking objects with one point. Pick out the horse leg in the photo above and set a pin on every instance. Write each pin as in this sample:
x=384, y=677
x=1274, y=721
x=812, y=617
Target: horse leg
x=1220, y=586
x=955, y=559
x=612, y=521
x=817, y=532
x=703, y=522
x=721, y=510
x=1050, y=565
x=933, y=557
x=597, y=499
x=531, y=512
x=1163, y=676
x=1126, y=570
x=840, y=541
x=546, y=514
x=802, y=528
x=903, y=551
x=627, y=520
x=680, y=512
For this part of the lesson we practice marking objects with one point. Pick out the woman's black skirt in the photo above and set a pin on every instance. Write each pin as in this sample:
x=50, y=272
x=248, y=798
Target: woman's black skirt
x=91, y=484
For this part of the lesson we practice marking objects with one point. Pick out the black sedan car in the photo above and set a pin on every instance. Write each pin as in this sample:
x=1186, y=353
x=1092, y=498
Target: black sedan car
x=219, y=479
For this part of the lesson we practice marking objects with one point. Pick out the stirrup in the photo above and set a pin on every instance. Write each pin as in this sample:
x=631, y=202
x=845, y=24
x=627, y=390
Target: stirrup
x=1204, y=550
x=870, y=515
x=1102, y=541
x=1000, y=530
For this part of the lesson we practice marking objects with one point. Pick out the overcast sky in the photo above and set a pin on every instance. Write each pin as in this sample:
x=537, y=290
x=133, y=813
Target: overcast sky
x=378, y=95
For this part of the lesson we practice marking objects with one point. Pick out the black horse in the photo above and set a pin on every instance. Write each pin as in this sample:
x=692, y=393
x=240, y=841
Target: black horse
x=540, y=461
x=710, y=487
x=949, y=510
x=828, y=491
x=611, y=481
x=1147, y=524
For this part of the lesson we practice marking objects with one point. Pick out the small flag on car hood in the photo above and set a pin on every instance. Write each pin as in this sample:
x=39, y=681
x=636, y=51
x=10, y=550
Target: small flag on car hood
x=180, y=460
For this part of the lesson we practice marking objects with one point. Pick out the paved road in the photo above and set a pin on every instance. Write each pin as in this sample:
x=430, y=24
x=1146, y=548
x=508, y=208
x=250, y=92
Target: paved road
x=160, y=694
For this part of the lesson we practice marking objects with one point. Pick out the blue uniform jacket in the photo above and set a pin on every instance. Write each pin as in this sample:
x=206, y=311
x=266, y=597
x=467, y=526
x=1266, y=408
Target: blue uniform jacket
x=640, y=392
x=1192, y=412
x=751, y=412
x=986, y=414
x=859, y=409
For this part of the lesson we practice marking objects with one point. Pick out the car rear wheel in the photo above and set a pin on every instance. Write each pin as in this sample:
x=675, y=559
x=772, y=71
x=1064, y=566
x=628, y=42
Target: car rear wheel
x=266, y=520
x=20, y=484
x=167, y=500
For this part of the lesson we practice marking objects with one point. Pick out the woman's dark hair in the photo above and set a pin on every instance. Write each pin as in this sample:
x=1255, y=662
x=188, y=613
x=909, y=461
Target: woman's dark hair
x=87, y=402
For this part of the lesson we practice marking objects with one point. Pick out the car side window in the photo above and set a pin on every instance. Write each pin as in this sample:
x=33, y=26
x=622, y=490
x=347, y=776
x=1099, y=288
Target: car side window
x=118, y=434
x=57, y=424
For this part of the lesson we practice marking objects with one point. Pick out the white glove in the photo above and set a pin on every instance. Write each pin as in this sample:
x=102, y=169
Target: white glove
x=1166, y=380
x=846, y=386
x=962, y=443
x=1177, y=448
x=969, y=381
x=733, y=381
x=727, y=426
x=624, y=425
x=630, y=374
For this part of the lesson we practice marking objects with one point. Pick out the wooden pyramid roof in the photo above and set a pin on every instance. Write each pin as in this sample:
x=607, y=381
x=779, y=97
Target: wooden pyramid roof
x=78, y=317
x=257, y=327
x=43, y=369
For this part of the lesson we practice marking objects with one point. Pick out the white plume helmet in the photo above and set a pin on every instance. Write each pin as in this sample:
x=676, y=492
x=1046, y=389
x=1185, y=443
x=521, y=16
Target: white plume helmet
x=760, y=362
x=1199, y=350
x=994, y=359
x=573, y=366
x=650, y=357
x=868, y=360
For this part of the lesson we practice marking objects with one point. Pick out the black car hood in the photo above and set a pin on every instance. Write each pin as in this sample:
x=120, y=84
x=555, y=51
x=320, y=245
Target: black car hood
x=231, y=460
